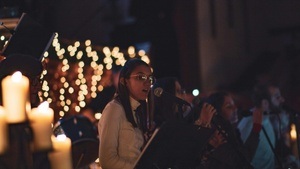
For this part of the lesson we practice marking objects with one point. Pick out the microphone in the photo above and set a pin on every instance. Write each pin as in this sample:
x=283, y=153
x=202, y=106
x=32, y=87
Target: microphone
x=10, y=31
x=159, y=92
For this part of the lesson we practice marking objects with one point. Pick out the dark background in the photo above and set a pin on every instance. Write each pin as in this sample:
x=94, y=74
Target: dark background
x=170, y=31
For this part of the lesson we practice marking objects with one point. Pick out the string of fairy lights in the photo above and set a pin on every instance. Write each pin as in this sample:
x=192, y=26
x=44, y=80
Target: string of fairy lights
x=86, y=64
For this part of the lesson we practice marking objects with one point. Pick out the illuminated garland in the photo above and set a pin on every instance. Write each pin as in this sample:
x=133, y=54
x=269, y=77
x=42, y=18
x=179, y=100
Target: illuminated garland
x=65, y=84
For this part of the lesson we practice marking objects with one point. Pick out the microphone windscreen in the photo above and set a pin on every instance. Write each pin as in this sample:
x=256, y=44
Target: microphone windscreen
x=158, y=91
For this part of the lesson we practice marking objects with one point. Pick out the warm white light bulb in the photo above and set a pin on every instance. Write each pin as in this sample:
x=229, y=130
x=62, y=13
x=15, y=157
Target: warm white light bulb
x=196, y=92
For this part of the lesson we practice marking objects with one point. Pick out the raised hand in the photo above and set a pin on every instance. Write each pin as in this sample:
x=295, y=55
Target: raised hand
x=206, y=114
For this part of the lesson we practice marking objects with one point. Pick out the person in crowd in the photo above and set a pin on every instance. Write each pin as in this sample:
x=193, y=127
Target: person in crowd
x=275, y=128
x=123, y=121
x=19, y=143
x=233, y=153
x=103, y=97
x=166, y=107
x=180, y=141
x=281, y=118
x=29, y=67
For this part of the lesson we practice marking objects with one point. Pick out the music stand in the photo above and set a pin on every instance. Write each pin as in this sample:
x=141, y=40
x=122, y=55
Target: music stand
x=146, y=147
x=29, y=38
x=175, y=143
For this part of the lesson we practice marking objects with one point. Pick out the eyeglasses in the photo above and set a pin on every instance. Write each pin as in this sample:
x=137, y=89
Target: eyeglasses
x=144, y=78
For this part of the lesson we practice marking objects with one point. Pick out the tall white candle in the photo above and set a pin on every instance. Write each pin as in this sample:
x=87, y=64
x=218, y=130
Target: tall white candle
x=3, y=131
x=61, y=156
x=40, y=122
x=15, y=96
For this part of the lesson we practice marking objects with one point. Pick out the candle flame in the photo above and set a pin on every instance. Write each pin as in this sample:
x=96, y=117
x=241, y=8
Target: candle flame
x=43, y=106
x=293, y=132
x=61, y=137
x=17, y=76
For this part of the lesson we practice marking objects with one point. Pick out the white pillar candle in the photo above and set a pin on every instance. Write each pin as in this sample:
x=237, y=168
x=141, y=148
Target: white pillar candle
x=15, y=96
x=40, y=122
x=61, y=156
x=3, y=131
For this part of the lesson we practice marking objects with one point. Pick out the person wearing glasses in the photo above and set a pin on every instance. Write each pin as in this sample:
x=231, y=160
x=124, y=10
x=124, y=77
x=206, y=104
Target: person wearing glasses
x=123, y=123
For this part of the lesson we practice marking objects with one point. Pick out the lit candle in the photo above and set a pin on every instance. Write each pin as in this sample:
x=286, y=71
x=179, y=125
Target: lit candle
x=15, y=96
x=293, y=132
x=40, y=122
x=60, y=157
x=3, y=131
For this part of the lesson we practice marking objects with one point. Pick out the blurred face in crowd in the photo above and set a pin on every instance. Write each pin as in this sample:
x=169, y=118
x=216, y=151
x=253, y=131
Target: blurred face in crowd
x=229, y=110
x=276, y=98
x=179, y=92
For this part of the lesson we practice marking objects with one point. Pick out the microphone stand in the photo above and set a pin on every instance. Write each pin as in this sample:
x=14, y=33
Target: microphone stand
x=10, y=31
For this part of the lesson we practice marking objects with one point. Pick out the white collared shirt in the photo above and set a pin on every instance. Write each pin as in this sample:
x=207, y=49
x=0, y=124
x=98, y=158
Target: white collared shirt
x=120, y=142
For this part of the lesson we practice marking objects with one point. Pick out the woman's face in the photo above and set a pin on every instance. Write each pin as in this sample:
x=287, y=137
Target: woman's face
x=229, y=109
x=178, y=91
x=139, y=82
